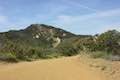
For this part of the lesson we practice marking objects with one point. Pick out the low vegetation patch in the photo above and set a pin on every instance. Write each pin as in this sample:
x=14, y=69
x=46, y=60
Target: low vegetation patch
x=8, y=57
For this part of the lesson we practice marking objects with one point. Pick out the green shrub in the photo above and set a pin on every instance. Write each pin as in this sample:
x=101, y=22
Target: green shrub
x=8, y=57
x=109, y=41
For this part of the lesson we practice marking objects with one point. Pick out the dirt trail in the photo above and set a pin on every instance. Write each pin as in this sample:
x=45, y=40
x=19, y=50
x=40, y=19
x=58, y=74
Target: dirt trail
x=68, y=68
x=115, y=70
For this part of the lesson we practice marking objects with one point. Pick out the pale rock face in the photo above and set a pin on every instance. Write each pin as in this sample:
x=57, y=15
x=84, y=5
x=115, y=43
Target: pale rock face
x=64, y=34
x=96, y=37
x=119, y=43
x=57, y=42
x=51, y=32
x=37, y=36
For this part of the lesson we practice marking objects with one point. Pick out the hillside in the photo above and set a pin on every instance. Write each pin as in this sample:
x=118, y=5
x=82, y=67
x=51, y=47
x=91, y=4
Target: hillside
x=35, y=35
x=36, y=41
x=43, y=41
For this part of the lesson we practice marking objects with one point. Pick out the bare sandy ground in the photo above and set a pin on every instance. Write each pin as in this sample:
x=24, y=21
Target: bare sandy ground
x=115, y=74
x=67, y=68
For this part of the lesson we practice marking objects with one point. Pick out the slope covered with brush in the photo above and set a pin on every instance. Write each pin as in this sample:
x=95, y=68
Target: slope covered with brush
x=44, y=41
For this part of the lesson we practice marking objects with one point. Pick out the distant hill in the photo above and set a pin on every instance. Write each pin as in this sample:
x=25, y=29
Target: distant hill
x=36, y=40
x=35, y=35
x=44, y=41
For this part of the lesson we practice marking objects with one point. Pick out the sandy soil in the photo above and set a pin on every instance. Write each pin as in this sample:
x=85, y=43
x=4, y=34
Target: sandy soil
x=115, y=74
x=67, y=68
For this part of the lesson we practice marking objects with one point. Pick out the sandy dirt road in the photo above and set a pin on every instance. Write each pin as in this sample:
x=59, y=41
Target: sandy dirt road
x=67, y=68
x=115, y=70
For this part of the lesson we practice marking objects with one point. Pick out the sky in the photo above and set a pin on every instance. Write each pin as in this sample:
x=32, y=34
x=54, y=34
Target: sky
x=76, y=16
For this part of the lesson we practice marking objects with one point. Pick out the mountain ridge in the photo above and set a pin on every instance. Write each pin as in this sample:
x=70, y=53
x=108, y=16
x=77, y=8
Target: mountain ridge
x=44, y=41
